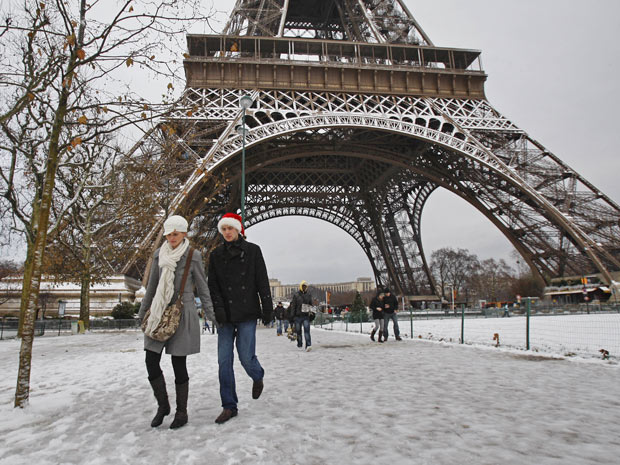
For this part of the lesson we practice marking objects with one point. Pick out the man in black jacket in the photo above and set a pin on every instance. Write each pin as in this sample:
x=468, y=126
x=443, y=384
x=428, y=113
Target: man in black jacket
x=280, y=314
x=390, y=306
x=240, y=292
x=302, y=311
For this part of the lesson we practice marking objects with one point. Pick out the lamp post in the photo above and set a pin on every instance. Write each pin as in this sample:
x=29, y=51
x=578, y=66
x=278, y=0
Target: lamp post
x=245, y=102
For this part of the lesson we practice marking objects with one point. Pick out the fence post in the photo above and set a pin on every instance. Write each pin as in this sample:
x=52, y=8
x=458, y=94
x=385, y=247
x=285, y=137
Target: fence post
x=527, y=326
x=361, y=329
x=463, y=324
x=2, y=329
x=411, y=319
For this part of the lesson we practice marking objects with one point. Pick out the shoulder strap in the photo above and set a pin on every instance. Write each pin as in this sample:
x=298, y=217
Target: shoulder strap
x=188, y=264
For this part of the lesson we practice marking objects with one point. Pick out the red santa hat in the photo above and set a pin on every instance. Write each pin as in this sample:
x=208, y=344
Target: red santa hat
x=231, y=219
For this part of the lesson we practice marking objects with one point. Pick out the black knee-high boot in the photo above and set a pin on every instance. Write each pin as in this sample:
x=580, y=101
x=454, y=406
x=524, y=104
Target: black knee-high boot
x=163, y=406
x=180, y=417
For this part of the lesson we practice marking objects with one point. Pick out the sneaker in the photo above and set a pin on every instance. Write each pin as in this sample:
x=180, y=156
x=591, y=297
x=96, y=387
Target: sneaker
x=308, y=349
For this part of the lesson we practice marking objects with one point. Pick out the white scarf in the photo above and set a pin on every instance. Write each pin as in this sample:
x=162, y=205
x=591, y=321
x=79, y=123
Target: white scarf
x=168, y=258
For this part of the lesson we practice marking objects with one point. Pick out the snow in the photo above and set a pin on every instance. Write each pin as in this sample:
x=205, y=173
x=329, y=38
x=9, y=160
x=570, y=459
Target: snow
x=349, y=401
x=584, y=335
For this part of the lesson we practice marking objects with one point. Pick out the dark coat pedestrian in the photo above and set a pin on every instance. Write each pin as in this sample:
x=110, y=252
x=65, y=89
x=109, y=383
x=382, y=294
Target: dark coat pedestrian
x=302, y=316
x=241, y=294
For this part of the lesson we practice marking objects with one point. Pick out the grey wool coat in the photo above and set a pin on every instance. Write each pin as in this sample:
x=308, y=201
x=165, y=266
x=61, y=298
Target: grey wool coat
x=186, y=340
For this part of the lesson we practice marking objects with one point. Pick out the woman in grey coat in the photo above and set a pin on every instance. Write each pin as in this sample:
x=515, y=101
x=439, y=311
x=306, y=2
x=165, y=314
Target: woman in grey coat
x=163, y=288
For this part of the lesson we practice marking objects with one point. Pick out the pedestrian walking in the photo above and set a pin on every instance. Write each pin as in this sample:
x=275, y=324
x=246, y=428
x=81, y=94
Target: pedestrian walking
x=302, y=311
x=166, y=278
x=390, y=309
x=241, y=295
x=376, y=305
x=281, y=320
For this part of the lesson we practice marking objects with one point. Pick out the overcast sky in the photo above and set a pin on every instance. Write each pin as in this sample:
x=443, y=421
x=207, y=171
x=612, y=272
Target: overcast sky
x=553, y=68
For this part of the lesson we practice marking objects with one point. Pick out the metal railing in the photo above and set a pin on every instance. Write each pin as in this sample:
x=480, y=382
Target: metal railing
x=56, y=327
x=588, y=330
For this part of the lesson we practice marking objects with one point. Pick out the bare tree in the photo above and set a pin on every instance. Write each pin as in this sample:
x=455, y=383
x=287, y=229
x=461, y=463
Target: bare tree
x=452, y=268
x=62, y=62
x=493, y=280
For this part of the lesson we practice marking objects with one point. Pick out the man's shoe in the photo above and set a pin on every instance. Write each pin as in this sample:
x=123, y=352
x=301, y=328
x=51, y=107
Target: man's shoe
x=226, y=415
x=257, y=389
x=308, y=349
x=398, y=338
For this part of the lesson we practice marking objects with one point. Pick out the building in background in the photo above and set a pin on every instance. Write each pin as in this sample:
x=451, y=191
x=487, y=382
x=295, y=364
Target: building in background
x=281, y=291
x=63, y=299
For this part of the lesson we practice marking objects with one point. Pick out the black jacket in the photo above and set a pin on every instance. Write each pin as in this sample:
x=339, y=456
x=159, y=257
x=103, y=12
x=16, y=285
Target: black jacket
x=376, y=314
x=237, y=279
x=392, y=301
x=299, y=299
x=280, y=312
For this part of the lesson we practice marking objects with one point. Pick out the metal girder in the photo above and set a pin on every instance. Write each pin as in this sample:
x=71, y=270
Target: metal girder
x=383, y=21
x=367, y=162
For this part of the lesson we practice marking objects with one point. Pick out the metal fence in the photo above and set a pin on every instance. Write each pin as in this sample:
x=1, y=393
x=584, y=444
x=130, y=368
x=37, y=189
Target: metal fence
x=56, y=327
x=559, y=330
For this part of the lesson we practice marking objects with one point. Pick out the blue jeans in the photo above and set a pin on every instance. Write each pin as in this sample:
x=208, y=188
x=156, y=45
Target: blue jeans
x=299, y=321
x=245, y=336
x=386, y=319
x=279, y=326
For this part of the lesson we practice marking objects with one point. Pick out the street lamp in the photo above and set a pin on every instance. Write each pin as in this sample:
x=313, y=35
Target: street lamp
x=245, y=102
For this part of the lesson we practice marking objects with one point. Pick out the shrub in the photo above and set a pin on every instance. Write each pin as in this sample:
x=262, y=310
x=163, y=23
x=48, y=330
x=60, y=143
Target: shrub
x=125, y=310
x=358, y=310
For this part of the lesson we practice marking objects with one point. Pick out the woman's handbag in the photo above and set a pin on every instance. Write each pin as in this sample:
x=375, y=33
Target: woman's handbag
x=170, y=318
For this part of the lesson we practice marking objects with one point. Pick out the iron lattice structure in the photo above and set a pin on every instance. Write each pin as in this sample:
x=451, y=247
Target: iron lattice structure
x=357, y=118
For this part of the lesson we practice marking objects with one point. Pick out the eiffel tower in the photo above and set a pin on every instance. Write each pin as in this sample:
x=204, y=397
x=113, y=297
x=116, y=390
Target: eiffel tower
x=356, y=118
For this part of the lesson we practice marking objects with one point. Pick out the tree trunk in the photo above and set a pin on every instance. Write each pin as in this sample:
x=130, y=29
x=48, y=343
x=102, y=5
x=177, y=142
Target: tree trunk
x=85, y=299
x=22, y=391
x=85, y=281
x=26, y=283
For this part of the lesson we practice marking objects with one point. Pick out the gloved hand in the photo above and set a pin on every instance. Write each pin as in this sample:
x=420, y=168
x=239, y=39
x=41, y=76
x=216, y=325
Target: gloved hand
x=311, y=316
x=266, y=318
x=220, y=316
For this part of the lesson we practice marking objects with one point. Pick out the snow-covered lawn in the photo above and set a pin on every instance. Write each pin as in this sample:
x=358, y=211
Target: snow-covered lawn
x=583, y=335
x=349, y=401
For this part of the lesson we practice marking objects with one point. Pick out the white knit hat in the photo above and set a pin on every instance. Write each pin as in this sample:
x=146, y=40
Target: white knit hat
x=175, y=223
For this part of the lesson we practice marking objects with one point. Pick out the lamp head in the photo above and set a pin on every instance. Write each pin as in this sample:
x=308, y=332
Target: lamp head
x=245, y=102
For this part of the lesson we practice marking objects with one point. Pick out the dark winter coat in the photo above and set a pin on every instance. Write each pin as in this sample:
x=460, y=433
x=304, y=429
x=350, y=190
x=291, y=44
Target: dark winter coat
x=392, y=302
x=239, y=284
x=299, y=299
x=186, y=340
x=374, y=304
x=280, y=312
x=289, y=314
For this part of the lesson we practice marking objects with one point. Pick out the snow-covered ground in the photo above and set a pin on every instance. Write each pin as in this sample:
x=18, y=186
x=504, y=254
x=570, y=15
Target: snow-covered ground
x=349, y=401
x=583, y=335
